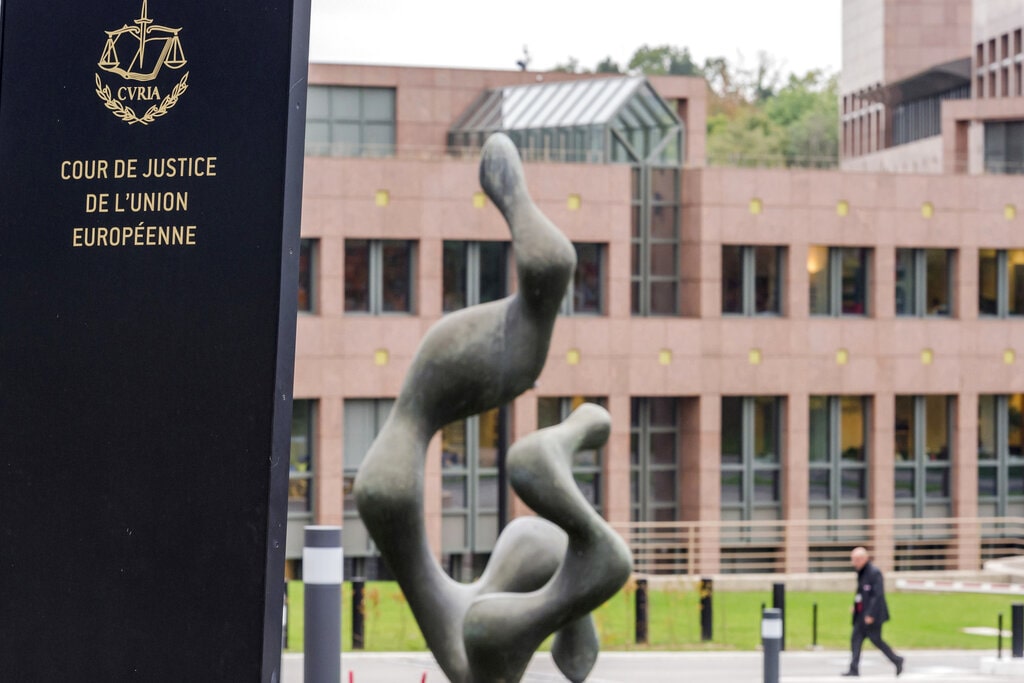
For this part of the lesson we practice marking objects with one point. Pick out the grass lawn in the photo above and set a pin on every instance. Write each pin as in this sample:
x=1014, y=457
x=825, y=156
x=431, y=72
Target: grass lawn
x=919, y=620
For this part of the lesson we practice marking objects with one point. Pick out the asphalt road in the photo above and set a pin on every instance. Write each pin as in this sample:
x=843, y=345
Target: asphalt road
x=687, y=667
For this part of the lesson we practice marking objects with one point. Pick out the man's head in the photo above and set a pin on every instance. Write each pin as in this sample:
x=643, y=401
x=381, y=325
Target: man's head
x=859, y=557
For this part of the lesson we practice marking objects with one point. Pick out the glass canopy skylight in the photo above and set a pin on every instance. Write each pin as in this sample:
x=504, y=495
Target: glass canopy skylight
x=601, y=120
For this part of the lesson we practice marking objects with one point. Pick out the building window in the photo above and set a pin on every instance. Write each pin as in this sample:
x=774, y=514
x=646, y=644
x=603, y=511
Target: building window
x=922, y=118
x=348, y=121
x=470, y=452
x=923, y=456
x=362, y=422
x=585, y=294
x=752, y=280
x=1004, y=146
x=586, y=464
x=838, y=280
x=654, y=459
x=1001, y=282
x=1000, y=455
x=655, y=241
x=474, y=273
x=751, y=444
x=924, y=282
x=379, y=276
x=308, y=250
x=300, y=466
x=838, y=457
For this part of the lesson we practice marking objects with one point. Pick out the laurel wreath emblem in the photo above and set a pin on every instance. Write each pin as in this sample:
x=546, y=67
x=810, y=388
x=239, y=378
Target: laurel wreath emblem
x=128, y=115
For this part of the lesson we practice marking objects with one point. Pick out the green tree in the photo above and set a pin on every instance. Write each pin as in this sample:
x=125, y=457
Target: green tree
x=664, y=59
x=608, y=66
x=570, y=66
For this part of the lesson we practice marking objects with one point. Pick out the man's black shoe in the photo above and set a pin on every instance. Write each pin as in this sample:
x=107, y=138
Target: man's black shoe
x=899, y=666
x=850, y=673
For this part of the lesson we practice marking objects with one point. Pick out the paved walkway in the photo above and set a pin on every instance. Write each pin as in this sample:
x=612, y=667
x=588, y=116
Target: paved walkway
x=690, y=667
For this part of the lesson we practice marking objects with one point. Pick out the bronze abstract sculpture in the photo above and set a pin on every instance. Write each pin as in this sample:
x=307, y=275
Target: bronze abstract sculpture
x=545, y=575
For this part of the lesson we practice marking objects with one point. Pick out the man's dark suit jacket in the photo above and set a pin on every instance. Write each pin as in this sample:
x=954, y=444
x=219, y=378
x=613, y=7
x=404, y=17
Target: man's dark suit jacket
x=871, y=589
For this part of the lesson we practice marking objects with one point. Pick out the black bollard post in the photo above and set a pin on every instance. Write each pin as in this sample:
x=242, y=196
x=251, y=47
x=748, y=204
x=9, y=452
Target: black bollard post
x=814, y=626
x=284, y=618
x=771, y=640
x=358, y=614
x=1017, y=625
x=999, y=638
x=322, y=563
x=707, y=592
x=641, y=611
x=779, y=603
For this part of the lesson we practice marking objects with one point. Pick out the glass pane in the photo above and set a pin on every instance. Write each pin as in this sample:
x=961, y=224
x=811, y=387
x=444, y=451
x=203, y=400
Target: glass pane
x=634, y=298
x=663, y=487
x=453, y=444
x=378, y=104
x=938, y=281
x=664, y=222
x=345, y=103
x=766, y=425
x=487, y=493
x=766, y=486
x=454, y=278
x=348, y=486
x=317, y=102
x=732, y=430
x=1015, y=437
x=988, y=281
x=936, y=427
x=988, y=482
x=302, y=436
x=767, y=280
x=732, y=487
x=817, y=272
x=1015, y=281
x=397, y=276
x=937, y=482
x=588, y=280
x=663, y=260
x=904, y=482
x=299, y=500
x=820, y=485
x=851, y=428
x=663, y=412
x=493, y=271
x=587, y=458
x=663, y=298
x=453, y=492
x=305, y=302
x=853, y=484
x=548, y=413
x=819, y=422
x=904, y=428
x=589, y=485
x=732, y=279
x=987, y=427
x=905, y=295
x=664, y=185
x=663, y=448
x=357, y=275
x=378, y=139
x=490, y=437
x=855, y=280
x=1015, y=480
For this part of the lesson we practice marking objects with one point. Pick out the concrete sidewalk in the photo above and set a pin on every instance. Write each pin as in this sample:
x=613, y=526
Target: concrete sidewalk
x=695, y=667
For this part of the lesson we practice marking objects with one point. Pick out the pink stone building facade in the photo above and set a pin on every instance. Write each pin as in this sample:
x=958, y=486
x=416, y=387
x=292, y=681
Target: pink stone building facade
x=838, y=344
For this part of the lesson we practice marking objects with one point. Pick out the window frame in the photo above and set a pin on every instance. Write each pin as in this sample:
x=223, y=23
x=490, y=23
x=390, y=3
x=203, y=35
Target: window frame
x=375, y=276
x=309, y=252
x=920, y=504
x=473, y=267
x=835, y=282
x=837, y=506
x=642, y=503
x=644, y=207
x=569, y=307
x=307, y=477
x=750, y=464
x=748, y=281
x=363, y=148
x=918, y=306
x=1002, y=285
x=1002, y=461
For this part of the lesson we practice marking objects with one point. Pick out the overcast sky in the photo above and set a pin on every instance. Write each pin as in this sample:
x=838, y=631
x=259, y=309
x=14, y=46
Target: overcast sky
x=799, y=34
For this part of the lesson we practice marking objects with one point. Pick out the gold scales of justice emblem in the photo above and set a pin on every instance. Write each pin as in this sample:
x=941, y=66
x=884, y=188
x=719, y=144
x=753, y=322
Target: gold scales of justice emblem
x=150, y=48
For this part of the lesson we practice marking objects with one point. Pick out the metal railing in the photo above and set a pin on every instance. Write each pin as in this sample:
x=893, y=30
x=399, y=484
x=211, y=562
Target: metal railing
x=757, y=546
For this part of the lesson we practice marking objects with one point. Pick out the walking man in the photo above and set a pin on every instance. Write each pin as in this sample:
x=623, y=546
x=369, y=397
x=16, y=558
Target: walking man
x=870, y=611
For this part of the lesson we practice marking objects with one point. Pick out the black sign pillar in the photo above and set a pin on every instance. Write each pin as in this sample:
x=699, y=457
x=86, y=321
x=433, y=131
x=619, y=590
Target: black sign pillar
x=150, y=189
